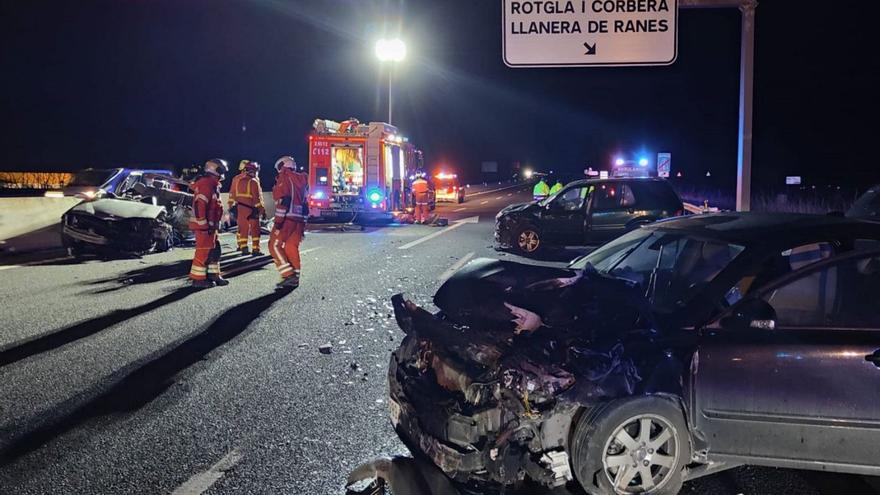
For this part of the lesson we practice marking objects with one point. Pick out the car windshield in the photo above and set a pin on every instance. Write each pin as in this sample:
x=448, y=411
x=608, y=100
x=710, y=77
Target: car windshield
x=91, y=178
x=671, y=267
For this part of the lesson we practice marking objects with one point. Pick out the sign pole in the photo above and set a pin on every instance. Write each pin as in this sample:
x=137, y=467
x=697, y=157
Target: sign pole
x=746, y=92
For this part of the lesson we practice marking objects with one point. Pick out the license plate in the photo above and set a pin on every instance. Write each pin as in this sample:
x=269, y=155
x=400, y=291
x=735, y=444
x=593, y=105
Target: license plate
x=394, y=412
x=328, y=213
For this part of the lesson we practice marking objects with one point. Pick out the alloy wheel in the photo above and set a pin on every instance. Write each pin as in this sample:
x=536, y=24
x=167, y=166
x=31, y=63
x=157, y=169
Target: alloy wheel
x=528, y=241
x=640, y=454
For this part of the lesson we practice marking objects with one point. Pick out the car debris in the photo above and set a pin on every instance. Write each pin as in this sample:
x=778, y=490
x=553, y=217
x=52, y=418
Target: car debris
x=148, y=213
x=398, y=476
x=326, y=349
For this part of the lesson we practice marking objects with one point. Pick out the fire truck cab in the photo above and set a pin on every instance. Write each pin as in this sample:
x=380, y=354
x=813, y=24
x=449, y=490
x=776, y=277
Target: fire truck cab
x=358, y=169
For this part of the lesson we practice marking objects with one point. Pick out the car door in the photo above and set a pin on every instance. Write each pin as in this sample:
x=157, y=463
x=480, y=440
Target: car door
x=564, y=219
x=791, y=376
x=610, y=209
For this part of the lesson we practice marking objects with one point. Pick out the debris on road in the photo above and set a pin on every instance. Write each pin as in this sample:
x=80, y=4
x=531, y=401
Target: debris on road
x=326, y=349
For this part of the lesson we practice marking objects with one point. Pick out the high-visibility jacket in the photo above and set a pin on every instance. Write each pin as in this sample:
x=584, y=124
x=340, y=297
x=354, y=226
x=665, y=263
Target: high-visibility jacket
x=289, y=193
x=207, y=208
x=246, y=190
x=556, y=188
x=420, y=190
x=541, y=189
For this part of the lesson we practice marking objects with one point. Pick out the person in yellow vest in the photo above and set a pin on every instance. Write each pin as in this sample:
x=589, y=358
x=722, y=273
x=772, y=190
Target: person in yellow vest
x=246, y=196
x=556, y=187
x=541, y=190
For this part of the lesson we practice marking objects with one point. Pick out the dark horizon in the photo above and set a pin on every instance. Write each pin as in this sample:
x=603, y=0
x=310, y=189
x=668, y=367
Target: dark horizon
x=106, y=83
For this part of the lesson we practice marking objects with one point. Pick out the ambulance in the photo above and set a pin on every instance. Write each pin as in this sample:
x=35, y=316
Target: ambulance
x=358, y=170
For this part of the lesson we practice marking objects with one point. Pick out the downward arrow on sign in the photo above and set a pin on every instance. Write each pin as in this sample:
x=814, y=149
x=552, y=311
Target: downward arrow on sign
x=591, y=49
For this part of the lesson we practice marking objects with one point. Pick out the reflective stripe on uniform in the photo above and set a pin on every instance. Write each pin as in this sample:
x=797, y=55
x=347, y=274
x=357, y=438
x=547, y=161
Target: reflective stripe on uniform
x=200, y=221
x=201, y=197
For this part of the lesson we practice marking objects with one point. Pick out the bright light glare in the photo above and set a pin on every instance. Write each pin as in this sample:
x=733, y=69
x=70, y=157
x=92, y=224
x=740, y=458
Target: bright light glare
x=393, y=50
x=618, y=162
x=643, y=162
x=318, y=194
x=528, y=173
x=375, y=196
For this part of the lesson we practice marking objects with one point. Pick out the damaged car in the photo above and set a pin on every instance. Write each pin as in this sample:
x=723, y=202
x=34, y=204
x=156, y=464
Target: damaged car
x=683, y=348
x=148, y=212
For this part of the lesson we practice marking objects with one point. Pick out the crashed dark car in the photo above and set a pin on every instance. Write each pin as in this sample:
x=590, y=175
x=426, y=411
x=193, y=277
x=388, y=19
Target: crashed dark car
x=585, y=213
x=149, y=214
x=683, y=348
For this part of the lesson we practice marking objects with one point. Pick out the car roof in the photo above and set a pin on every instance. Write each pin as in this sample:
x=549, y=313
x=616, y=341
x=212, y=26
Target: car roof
x=616, y=179
x=747, y=228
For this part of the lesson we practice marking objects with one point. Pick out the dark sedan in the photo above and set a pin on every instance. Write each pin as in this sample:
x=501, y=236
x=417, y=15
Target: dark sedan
x=686, y=347
x=586, y=212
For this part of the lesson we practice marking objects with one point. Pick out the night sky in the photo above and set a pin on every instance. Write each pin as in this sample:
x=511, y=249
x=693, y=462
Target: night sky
x=114, y=82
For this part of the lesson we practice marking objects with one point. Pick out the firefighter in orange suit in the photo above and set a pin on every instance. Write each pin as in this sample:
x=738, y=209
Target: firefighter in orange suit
x=420, y=194
x=207, y=212
x=246, y=196
x=291, y=211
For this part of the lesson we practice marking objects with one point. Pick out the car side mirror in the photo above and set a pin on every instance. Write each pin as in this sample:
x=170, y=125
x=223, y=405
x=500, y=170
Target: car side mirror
x=755, y=314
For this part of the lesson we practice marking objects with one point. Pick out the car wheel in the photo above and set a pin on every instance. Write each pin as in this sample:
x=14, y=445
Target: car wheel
x=528, y=240
x=634, y=445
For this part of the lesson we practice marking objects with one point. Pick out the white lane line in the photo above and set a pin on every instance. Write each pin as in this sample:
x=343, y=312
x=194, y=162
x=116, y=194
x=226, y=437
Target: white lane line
x=493, y=190
x=460, y=209
x=457, y=224
x=455, y=267
x=499, y=197
x=200, y=483
x=509, y=194
x=484, y=202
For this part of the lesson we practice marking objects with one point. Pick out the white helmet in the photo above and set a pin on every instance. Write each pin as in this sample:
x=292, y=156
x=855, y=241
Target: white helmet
x=216, y=166
x=285, y=162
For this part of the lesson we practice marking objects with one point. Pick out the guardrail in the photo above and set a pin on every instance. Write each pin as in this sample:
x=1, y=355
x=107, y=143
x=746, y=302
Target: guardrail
x=31, y=224
x=700, y=209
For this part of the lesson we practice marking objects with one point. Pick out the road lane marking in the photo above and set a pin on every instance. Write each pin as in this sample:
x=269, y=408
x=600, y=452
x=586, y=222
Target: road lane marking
x=509, y=194
x=484, y=202
x=455, y=225
x=493, y=190
x=456, y=266
x=499, y=197
x=200, y=483
x=460, y=209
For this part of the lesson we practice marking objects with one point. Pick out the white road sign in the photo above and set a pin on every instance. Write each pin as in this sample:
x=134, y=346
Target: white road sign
x=589, y=33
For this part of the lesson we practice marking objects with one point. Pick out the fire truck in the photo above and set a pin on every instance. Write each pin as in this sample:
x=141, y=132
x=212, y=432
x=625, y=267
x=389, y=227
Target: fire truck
x=358, y=169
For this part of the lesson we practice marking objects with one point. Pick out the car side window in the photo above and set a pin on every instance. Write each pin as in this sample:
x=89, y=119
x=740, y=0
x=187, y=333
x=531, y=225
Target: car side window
x=627, y=198
x=778, y=266
x=842, y=295
x=573, y=199
x=606, y=197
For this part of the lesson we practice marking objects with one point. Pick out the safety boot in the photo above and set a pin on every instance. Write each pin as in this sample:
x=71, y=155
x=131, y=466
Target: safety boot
x=219, y=281
x=202, y=284
x=256, y=252
x=244, y=251
x=289, y=283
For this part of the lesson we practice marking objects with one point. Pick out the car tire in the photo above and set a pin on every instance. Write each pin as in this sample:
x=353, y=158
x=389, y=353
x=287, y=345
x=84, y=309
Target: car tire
x=610, y=439
x=527, y=240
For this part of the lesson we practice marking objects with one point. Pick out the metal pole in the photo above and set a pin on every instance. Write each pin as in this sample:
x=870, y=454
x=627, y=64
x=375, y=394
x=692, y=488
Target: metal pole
x=746, y=92
x=390, y=80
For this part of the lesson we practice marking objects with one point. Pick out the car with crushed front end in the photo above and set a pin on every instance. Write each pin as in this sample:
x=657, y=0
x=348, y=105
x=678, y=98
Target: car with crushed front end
x=584, y=213
x=145, y=213
x=682, y=348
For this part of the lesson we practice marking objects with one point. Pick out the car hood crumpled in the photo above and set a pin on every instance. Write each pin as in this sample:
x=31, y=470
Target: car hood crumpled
x=118, y=208
x=542, y=333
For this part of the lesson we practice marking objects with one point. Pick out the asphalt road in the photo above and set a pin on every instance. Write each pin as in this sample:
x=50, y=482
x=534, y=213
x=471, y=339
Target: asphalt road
x=116, y=378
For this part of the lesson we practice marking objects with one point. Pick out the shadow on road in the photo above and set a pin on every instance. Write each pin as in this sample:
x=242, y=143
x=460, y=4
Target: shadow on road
x=86, y=328
x=134, y=388
x=232, y=265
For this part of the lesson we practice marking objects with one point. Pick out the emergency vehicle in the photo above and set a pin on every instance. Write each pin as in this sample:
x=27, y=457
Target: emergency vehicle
x=360, y=169
x=448, y=188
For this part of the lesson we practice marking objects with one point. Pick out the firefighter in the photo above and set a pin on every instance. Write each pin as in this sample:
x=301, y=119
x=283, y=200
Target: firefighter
x=541, y=190
x=205, y=224
x=246, y=199
x=291, y=211
x=421, y=196
x=557, y=187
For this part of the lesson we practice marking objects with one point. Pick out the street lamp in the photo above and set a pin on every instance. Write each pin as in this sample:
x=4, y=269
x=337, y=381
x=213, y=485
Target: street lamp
x=390, y=50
